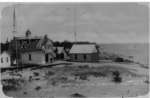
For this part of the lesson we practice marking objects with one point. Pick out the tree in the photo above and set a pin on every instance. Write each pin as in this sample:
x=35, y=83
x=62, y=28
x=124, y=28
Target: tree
x=66, y=44
x=56, y=43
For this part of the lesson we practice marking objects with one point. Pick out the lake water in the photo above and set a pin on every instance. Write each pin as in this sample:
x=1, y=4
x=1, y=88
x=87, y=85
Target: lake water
x=139, y=51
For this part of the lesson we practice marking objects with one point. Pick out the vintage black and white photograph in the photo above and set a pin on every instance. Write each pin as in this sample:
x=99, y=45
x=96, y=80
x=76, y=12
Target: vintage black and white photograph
x=74, y=50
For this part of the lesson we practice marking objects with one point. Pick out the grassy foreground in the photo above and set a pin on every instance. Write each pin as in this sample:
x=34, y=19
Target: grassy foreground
x=77, y=80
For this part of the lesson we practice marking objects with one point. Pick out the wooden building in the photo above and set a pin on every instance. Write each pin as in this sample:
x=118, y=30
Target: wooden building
x=34, y=50
x=84, y=53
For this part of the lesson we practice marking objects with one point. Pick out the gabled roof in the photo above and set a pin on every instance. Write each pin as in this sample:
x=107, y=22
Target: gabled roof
x=83, y=48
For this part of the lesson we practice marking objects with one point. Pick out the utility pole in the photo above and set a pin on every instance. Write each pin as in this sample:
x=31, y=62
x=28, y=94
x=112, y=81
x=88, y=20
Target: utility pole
x=14, y=21
x=14, y=34
x=75, y=23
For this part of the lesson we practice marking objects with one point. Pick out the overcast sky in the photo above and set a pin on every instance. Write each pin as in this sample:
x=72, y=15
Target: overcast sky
x=96, y=22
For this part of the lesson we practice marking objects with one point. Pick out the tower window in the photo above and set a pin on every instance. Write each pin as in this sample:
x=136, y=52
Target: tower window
x=1, y=60
x=75, y=56
x=7, y=59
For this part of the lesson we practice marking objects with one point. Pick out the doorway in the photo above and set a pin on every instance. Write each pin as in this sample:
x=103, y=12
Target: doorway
x=46, y=58
x=84, y=56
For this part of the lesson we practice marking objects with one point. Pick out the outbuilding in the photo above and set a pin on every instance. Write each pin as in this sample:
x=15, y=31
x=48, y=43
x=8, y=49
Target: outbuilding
x=84, y=53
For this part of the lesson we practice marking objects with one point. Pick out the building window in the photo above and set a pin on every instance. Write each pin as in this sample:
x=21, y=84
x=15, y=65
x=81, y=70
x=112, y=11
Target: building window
x=30, y=57
x=51, y=60
x=75, y=56
x=1, y=60
x=46, y=58
x=20, y=42
x=27, y=41
x=7, y=59
x=84, y=56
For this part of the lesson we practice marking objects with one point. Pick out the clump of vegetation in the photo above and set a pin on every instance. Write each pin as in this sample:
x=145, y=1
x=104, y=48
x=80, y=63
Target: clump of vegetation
x=54, y=83
x=116, y=77
x=77, y=95
x=128, y=61
x=30, y=78
x=62, y=79
x=38, y=88
x=97, y=74
x=83, y=77
x=84, y=66
x=37, y=78
x=49, y=73
x=9, y=88
x=24, y=93
x=146, y=81
x=36, y=74
x=56, y=80
x=119, y=59
x=144, y=66
x=12, y=84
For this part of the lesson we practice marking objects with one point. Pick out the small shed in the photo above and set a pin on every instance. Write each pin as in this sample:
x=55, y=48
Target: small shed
x=84, y=53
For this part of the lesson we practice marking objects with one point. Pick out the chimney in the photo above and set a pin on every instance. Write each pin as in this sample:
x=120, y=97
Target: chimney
x=28, y=33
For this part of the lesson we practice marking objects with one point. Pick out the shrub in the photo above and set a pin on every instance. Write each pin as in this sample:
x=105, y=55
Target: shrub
x=144, y=66
x=12, y=84
x=83, y=66
x=119, y=59
x=30, y=78
x=37, y=78
x=92, y=73
x=36, y=74
x=128, y=61
x=83, y=77
x=63, y=78
x=49, y=73
x=9, y=88
x=146, y=81
x=116, y=77
x=77, y=95
x=97, y=74
x=12, y=81
x=54, y=83
x=37, y=88
x=116, y=73
x=24, y=93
